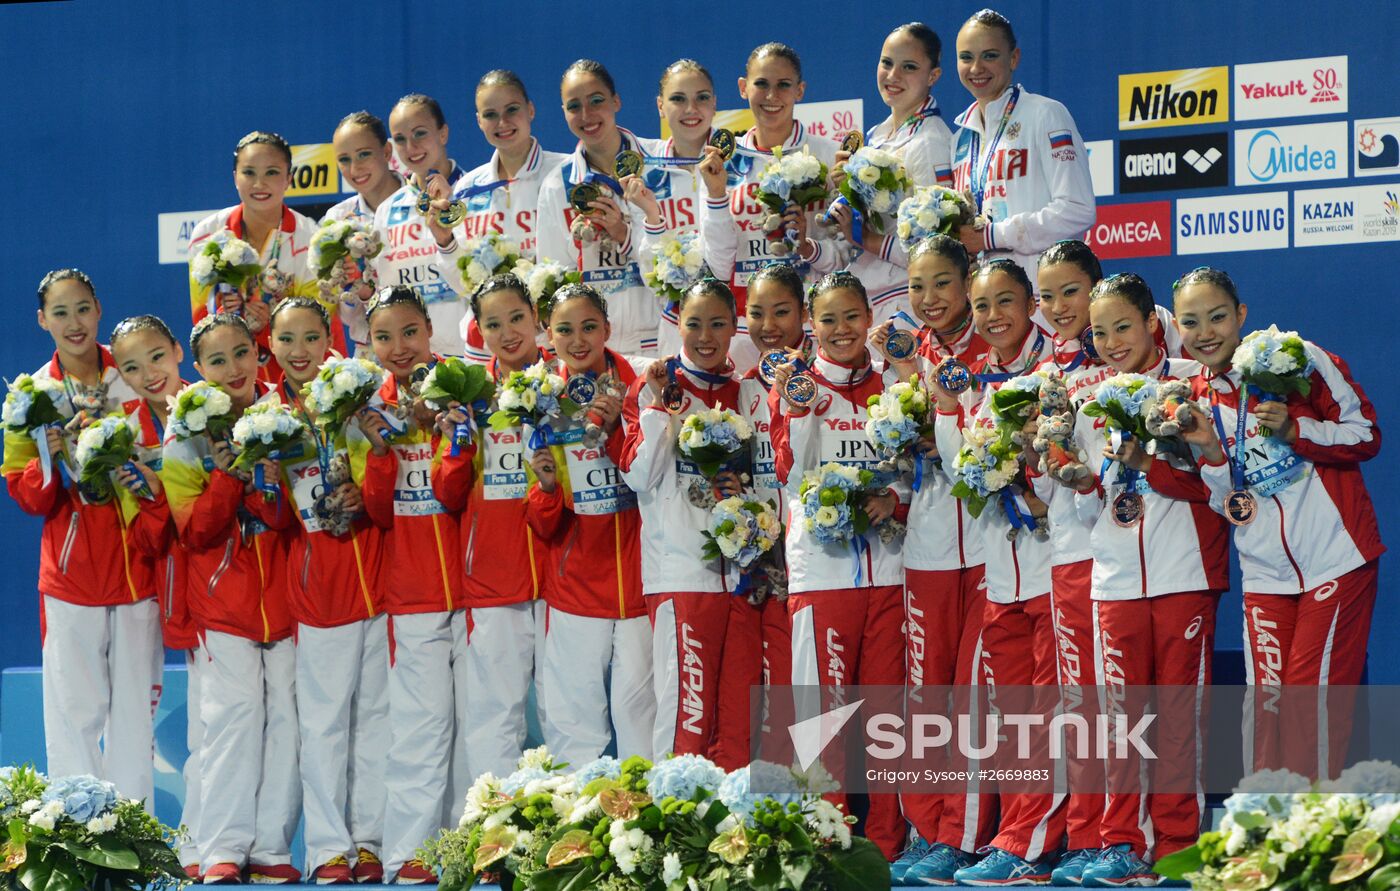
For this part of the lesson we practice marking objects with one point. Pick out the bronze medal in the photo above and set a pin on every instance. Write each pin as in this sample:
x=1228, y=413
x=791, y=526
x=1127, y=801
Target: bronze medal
x=852, y=142
x=583, y=195
x=1128, y=509
x=901, y=344
x=954, y=376
x=769, y=364
x=628, y=163
x=723, y=140
x=673, y=397
x=1241, y=507
x=801, y=389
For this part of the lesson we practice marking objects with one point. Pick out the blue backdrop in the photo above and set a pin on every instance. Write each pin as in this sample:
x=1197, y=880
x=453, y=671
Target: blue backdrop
x=119, y=111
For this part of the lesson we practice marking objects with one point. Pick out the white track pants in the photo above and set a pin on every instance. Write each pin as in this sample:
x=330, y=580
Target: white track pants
x=102, y=682
x=588, y=664
x=343, y=710
x=500, y=663
x=250, y=792
x=428, y=653
x=194, y=738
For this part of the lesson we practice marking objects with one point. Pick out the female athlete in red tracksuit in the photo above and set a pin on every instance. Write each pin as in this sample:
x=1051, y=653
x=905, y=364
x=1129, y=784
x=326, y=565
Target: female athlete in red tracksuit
x=945, y=582
x=342, y=642
x=1309, y=555
x=846, y=622
x=507, y=571
x=598, y=637
x=148, y=357
x=1155, y=583
x=1016, y=619
x=701, y=674
x=394, y=452
x=238, y=597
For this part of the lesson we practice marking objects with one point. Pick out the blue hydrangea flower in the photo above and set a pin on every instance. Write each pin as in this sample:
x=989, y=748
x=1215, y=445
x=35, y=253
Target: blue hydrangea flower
x=681, y=777
x=744, y=789
x=606, y=766
x=776, y=184
x=518, y=780
x=83, y=797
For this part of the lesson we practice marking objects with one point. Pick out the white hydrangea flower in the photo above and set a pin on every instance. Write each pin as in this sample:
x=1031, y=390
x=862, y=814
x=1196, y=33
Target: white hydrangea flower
x=203, y=267
x=104, y=823
x=537, y=757
x=671, y=868
x=46, y=816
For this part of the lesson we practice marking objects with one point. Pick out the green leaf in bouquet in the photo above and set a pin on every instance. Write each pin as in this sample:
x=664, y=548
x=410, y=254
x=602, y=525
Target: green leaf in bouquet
x=48, y=872
x=860, y=521
x=569, y=407
x=1092, y=409
x=862, y=868
x=501, y=419
x=811, y=194
x=714, y=815
x=1385, y=878
x=1280, y=385
x=330, y=254
x=577, y=876
x=107, y=853
x=796, y=869
x=1176, y=865
x=1250, y=819
x=767, y=873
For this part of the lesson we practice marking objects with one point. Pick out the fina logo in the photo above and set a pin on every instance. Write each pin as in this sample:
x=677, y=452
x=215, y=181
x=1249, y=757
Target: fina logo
x=1269, y=157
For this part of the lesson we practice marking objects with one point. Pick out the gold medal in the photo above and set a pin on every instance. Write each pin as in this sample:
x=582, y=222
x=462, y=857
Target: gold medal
x=723, y=140
x=455, y=213
x=852, y=142
x=583, y=195
x=628, y=163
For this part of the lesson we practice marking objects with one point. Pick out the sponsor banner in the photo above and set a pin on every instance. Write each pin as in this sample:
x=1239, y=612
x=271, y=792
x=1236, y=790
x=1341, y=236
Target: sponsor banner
x=314, y=170
x=1101, y=166
x=1377, y=144
x=1290, y=89
x=173, y=233
x=1348, y=215
x=1121, y=231
x=1291, y=154
x=1251, y=222
x=1174, y=98
x=824, y=120
x=1174, y=163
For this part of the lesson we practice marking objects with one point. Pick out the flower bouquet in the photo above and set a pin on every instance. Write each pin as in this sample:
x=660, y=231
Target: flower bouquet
x=266, y=430
x=1120, y=400
x=488, y=255
x=339, y=390
x=32, y=406
x=677, y=263
x=833, y=509
x=201, y=407
x=335, y=243
x=544, y=279
x=102, y=448
x=714, y=440
x=225, y=264
x=745, y=532
x=987, y=467
x=1274, y=364
x=797, y=178
x=75, y=832
x=897, y=420
x=453, y=380
x=875, y=185
x=935, y=210
x=534, y=398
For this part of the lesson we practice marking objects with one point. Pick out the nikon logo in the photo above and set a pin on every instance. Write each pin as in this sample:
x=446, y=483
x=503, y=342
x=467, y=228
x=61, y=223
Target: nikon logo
x=1173, y=98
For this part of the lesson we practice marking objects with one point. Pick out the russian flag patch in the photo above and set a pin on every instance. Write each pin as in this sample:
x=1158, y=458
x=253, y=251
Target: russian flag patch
x=1060, y=139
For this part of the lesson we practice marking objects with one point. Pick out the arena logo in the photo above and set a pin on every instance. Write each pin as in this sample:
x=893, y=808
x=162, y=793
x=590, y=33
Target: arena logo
x=1291, y=154
x=1252, y=222
x=1174, y=163
x=1377, y=143
x=1291, y=88
x=1173, y=98
x=1123, y=231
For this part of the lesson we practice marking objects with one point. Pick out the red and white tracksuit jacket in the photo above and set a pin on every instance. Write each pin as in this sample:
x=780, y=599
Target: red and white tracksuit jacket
x=352, y=312
x=1037, y=188
x=688, y=598
x=591, y=522
x=410, y=258
x=925, y=145
x=332, y=580
x=614, y=273
x=735, y=244
x=422, y=568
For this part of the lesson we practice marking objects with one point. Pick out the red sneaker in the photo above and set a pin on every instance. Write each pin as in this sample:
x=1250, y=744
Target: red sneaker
x=223, y=874
x=368, y=868
x=335, y=871
x=273, y=874
x=414, y=872
x=192, y=870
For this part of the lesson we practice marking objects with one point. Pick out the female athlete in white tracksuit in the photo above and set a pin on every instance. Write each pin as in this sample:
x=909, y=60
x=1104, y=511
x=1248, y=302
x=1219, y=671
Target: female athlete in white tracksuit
x=1310, y=551
x=601, y=244
x=502, y=195
x=735, y=244
x=1019, y=154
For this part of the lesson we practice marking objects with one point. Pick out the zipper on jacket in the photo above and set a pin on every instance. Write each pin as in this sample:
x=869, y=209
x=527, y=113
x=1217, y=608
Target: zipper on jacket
x=222, y=567
x=262, y=591
x=469, y=553
x=1016, y=564
x=534, y=570
x=360, y=574
x=169, y=586
x=69, y=539
x=568, y=548
x=442, y=565
x=126, y=558
x=1287, y=551
x=1142, y=558
x=306, y=563
x=617, y=566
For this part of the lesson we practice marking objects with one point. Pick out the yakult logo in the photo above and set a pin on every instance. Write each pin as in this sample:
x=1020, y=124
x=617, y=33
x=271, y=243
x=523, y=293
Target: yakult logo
x=692, y=681
x=1291, y=88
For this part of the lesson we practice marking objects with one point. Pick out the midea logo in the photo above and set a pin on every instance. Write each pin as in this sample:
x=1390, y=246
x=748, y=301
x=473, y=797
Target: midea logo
x=1270, y=157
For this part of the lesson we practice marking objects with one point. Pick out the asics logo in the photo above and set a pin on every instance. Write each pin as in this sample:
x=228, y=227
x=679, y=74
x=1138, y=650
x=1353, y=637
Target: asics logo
x=1325, y=591
x=1194, y=628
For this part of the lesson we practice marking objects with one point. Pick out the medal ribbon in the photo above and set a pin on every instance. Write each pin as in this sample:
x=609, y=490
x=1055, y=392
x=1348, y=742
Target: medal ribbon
x=716, y=380
x=1018, y=513
x=859, y=547
x=1237, y=459
x=1003, y=376
x=978, y=180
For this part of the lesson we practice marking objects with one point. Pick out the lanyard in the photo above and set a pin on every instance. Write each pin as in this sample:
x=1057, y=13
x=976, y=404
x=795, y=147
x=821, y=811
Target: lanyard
x=714, y=380
x=1003, y=376
x=978, y=178
x=1237, y=459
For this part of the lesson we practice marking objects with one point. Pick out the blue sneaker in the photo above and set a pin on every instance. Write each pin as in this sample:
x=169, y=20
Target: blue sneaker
x=918, y=849
x=1119, y=867
x=938, y=866
x=1001, y=867
x=1070, y=869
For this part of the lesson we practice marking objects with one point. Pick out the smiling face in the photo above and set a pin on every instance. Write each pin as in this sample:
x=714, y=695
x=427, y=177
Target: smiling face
x=262, y=177
x=1001, y=312
x=772, y=88
x=363, y=160
x=687, y=102
x=70, y=315
x=905, y=73
x=504, y=115
x=300, y=342
x=774, y=315
x=841, y=321
x=149, y=363
x=1210, y=324
x=986, y=61
x=707, y=326
x=400, y=335
x=508, y=325
x=228, y=357
x=420, y=142
x=937, y=291
x=1064, y=298
x=1122, y=336
x=590, y=108
x=579, y=334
